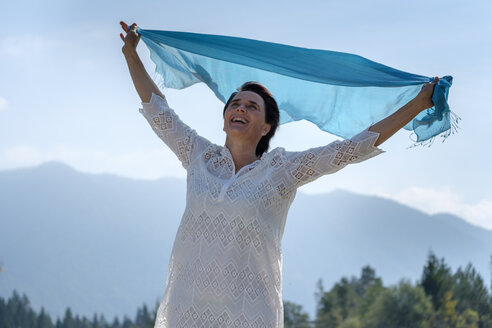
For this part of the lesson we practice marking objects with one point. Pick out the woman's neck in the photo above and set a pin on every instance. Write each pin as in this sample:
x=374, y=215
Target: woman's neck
x=242, y=153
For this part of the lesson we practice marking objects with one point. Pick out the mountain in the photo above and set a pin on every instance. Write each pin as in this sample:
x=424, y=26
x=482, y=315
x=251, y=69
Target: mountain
x=101, y=243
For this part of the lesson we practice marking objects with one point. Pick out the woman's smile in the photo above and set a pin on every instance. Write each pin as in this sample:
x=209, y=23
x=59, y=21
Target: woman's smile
x=239, y=119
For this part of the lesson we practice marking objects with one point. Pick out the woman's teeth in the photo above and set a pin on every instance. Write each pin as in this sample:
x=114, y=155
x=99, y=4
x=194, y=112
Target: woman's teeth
x=239, y=120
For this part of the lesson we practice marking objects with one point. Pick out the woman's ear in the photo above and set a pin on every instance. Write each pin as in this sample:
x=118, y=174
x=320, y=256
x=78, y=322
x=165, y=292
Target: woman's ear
x=266, y=129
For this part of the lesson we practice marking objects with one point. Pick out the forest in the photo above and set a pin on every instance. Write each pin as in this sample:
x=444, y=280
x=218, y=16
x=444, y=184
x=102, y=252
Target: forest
x=440, y=299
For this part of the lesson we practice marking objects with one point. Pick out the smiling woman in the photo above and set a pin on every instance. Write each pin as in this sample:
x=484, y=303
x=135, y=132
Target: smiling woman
x=226, y=262
x=253, y=108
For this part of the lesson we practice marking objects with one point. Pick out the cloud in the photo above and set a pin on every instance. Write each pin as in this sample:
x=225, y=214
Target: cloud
x=444, y=200
x=146, y=164
x=3, y=104
x=20, y=156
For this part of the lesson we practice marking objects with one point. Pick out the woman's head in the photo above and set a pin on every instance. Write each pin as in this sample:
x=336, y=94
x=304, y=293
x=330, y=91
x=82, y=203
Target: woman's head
x=271, y=111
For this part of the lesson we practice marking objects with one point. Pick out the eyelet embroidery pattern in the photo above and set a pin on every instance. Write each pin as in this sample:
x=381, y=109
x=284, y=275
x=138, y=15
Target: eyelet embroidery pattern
x=167, y=125
x=223, y=231
x=225, y=266
x=191, y=317
x=316, y=162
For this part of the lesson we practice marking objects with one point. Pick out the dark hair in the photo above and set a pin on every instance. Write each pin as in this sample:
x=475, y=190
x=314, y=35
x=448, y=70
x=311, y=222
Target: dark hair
x=272, y=114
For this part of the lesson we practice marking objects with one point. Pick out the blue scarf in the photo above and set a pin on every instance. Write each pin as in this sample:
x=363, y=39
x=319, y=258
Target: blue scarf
x=339, y=92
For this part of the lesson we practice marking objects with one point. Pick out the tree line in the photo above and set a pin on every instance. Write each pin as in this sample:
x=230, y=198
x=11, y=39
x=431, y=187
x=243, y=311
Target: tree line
x=440, y=299
x=16, y=312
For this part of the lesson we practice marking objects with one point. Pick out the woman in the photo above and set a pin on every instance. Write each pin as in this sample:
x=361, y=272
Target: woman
x=225, y=267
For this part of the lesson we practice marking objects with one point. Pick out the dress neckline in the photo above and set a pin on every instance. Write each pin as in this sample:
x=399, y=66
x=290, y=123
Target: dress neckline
x=248, y=167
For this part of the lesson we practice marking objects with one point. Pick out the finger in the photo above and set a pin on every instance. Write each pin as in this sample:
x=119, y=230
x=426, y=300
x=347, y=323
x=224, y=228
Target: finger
x=432, y=82
x=124, y=26
x=134, y=29
x=122, y=38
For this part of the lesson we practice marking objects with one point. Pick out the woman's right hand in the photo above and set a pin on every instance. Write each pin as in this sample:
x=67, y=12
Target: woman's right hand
x=132, y=37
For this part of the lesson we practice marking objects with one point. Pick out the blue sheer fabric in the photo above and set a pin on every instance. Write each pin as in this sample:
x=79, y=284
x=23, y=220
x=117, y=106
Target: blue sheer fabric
x=339, y=92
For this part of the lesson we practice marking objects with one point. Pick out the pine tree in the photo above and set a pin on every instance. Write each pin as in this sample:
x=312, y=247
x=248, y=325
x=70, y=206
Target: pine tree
x=144, y=318
x=369, y=286
x=367, y=279
x=95, y=321
x=68, y=319
x=402, y=306
x=436, y=280
x=59, y=323
x=44, y=320
x=470, y=288
x=294, y=316
x=340, y=303
x=19, y=312
x=127, y=323
x=116, y=323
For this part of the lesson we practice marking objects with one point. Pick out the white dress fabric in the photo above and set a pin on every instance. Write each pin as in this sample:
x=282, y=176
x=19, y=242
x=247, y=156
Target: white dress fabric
x=226, y=264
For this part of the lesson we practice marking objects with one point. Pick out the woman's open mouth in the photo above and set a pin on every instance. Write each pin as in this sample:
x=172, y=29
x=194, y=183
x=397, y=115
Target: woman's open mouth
x=237, y=119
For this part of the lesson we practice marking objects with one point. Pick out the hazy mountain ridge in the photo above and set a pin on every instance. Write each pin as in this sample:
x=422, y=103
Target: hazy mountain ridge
x=101, y=243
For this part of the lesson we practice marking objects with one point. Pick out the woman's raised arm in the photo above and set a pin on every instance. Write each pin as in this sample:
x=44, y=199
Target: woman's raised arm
x=179, y=137
x=144, y=84
x=390, y=125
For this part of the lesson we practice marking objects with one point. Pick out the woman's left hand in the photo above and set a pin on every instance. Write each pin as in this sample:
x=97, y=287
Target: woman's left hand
x=131, y=39
x=425, y=94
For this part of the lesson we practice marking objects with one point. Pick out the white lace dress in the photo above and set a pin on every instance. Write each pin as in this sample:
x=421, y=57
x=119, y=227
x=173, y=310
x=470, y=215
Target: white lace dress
x=226, y=264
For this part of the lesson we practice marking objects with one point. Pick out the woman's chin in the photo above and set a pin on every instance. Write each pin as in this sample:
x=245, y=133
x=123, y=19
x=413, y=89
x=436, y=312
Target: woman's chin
x=236, y=130
x=240, y=134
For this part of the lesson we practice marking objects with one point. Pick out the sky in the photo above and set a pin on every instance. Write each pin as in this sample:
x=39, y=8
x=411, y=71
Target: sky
x=66, y=94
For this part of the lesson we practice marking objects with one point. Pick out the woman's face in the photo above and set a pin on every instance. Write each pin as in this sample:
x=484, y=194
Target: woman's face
x=245, y=117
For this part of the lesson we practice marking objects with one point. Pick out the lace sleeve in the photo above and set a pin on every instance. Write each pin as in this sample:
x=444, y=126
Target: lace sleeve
x=306, y=166
x=179, y=137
